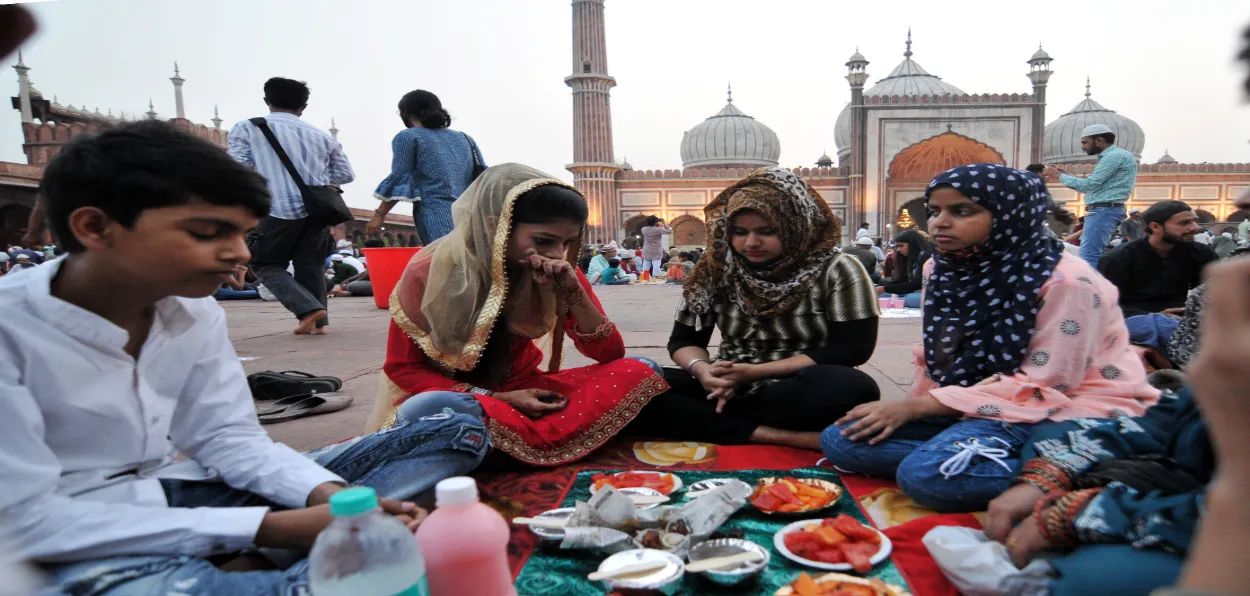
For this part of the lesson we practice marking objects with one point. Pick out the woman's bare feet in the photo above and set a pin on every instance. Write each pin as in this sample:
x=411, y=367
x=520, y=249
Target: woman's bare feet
x=786, y=438
x=308, y=323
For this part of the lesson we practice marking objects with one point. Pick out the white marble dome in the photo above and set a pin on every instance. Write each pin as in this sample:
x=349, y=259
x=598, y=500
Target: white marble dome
x=1063, y=136
x=908, y=78
x=730, y=138
x=842, y=135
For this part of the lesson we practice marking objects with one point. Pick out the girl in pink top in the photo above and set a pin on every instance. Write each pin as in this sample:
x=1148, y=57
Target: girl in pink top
x=1015, y=333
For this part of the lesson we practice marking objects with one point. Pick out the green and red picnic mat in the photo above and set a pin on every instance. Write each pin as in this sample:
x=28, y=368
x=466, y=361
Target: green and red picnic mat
x=543, y=570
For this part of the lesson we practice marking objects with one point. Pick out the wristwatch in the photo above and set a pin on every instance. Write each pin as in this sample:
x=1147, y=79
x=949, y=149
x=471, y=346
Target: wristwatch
x=690, y=365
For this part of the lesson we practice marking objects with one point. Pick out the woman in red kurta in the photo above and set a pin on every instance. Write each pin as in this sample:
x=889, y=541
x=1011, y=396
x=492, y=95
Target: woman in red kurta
x=469, y=306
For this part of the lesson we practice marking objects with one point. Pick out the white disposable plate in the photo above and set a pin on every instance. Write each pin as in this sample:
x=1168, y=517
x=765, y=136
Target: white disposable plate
x=646, y=492
x=676, y=481
x=780, y=543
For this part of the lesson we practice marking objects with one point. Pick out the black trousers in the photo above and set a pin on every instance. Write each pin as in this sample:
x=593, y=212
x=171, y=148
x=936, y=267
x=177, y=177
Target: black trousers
x=808, y=401
x=275, y=243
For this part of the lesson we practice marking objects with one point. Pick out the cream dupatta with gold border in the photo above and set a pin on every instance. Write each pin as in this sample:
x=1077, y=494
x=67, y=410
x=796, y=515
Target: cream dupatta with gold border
x=452, y=292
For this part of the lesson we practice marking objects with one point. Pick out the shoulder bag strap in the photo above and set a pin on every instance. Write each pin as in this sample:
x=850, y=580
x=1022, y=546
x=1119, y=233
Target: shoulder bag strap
x=263, y=125
x=472, y=151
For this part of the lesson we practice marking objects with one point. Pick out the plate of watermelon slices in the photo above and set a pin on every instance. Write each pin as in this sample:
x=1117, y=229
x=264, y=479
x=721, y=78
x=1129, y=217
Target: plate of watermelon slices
x=836, y=544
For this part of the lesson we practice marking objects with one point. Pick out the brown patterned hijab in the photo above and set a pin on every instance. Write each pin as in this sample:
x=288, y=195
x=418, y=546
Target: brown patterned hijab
x=809, y=234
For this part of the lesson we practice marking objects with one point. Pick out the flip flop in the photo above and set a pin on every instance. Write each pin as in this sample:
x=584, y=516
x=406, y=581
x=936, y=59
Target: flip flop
x=269, y=385
x=278, y=405
x=311, y=405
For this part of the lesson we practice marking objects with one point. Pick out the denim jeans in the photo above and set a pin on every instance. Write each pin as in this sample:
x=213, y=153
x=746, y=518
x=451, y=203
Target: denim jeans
x=918, y=454
x=1100, y=223
x=275, y=243
x=401, y=462
x=233, y=294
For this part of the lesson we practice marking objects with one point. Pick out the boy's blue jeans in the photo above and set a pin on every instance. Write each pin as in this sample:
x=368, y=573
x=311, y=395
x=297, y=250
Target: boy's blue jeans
x=402, y=462
x=917, y=455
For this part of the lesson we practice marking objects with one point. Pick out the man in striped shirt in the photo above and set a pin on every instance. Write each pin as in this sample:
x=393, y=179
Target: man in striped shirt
x=287, y=236
x=1106, y=189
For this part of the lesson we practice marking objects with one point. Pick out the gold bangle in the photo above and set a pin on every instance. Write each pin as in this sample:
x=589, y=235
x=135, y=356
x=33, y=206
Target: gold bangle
x=602, y=332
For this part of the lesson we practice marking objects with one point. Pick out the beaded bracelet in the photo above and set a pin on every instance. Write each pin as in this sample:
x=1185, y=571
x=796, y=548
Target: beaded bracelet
x=1048, y=469
x=1040, y=510
x=1074, y=506
x=1043, y=483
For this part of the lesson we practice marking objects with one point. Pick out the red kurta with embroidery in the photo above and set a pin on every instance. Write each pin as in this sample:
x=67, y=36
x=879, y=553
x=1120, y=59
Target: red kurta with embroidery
x=602, y=398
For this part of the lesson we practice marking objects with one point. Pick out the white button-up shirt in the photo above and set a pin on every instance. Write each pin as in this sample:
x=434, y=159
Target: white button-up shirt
x=87, y=430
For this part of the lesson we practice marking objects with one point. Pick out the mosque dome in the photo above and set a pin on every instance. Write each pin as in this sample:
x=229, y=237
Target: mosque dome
x=842, y=135
x=824, y=160
x=1167, y=158
x=908, y=78
x=730, y=138
x=1063, y=136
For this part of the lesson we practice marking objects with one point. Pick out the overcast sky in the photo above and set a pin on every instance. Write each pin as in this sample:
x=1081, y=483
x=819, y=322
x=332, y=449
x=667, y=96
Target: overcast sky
x=498, y=66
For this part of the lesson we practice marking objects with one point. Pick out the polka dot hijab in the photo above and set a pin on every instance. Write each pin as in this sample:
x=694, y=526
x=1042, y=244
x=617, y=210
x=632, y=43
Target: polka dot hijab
x=981, y=303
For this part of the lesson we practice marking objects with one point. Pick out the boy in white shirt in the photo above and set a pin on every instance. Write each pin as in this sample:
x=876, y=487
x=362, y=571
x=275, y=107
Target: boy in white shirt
x=114, y=359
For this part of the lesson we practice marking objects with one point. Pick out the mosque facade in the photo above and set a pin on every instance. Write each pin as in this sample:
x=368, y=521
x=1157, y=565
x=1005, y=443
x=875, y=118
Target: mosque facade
x=894, y=136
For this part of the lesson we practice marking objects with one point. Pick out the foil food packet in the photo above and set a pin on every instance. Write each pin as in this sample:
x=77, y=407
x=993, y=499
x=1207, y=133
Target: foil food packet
x=609, y=521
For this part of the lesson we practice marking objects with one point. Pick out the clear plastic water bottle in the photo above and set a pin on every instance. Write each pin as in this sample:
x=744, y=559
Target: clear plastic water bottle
x=365, y=552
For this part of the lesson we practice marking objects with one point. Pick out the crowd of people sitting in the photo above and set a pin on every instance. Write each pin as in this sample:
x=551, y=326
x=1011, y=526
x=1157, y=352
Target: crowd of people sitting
x=1050, y=390
x=1031, y=396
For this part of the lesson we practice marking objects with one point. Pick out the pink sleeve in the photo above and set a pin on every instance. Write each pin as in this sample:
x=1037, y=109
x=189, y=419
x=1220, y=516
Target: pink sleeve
x=1068, y=334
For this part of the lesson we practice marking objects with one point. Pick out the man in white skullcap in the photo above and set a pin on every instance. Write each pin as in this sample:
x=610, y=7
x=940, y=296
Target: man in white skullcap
x=862, y=250
x=1131, y=228
x=1106, y=189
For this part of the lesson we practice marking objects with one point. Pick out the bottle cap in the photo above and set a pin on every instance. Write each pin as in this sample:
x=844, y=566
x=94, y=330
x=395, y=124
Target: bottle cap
x=353, y=501
x=455, y=491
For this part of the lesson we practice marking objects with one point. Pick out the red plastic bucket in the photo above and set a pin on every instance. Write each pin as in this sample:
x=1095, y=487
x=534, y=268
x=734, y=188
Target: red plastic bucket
x=386, y=265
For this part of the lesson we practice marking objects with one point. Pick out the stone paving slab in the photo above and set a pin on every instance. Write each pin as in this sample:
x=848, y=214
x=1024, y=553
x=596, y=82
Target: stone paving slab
x=356, y=345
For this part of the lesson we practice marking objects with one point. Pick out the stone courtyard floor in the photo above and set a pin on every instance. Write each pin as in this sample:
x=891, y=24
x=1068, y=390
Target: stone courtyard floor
x=355, y=346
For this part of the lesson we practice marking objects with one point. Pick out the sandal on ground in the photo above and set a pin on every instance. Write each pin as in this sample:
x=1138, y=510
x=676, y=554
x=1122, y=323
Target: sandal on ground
x=269, y=385
x=302, y=406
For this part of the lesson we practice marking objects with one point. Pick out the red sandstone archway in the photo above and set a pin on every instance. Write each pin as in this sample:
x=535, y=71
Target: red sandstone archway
x=633, y=225
x=689, y=230
x=13, y=220
x=930, y=157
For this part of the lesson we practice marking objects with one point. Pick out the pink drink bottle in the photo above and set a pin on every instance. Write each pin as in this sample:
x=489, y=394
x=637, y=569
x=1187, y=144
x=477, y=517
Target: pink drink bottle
x=465, y=544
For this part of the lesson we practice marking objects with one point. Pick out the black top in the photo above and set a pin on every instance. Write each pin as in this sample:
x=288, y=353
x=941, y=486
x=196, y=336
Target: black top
x=865, y=256
x=907, y=279
x=834, y=323
x=1149, y=283
x=851, y=343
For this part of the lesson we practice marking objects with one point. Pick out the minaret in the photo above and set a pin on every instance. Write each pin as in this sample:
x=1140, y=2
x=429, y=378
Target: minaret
x=857, y=76
x=334, y=131
x=179, y=108
x=594, y=169
x=151, y=113
x=1039, y=74
x=23, y=86
x=216, y=119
